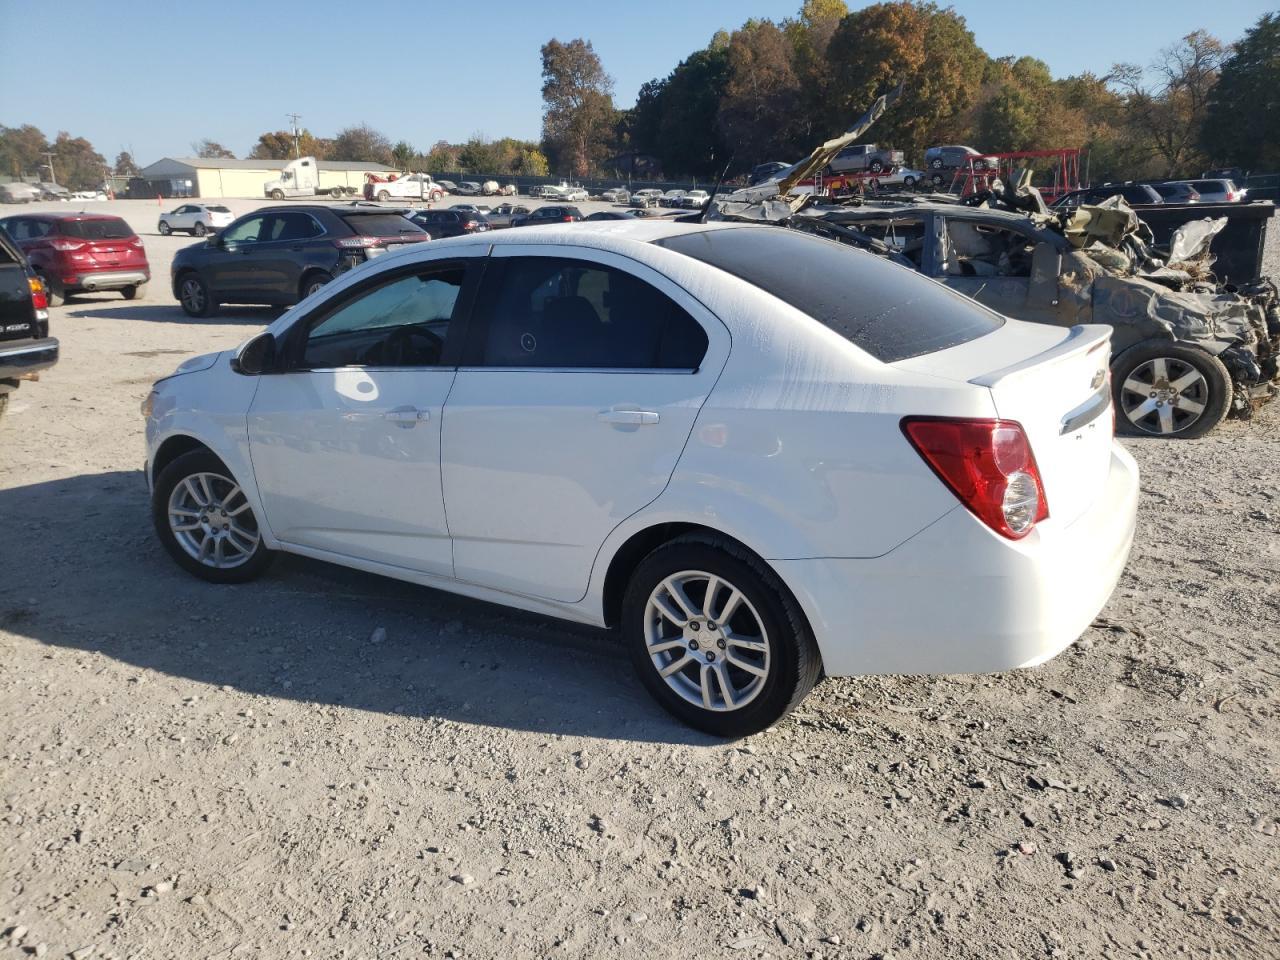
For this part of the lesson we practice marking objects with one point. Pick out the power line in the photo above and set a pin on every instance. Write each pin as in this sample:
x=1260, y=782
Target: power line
x=294, y=118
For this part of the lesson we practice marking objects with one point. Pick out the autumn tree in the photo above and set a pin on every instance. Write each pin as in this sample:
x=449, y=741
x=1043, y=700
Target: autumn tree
x=533, y=163
x=1169, y=113
x=76, y=163
x=211, y=149
x=758, y=112
x=928, y=48
x=810, y=34
x=361, y=143
x=1242, y=121
x=21, y=150
x=577, y=106
x=125, y=165
x=278, y=145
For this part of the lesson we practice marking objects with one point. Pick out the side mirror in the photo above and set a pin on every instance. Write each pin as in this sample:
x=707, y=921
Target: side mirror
x=1046, y=265
x=255, y=357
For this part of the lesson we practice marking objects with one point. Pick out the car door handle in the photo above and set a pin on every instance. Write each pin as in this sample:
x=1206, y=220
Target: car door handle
x=406, y=416
x=628, y=417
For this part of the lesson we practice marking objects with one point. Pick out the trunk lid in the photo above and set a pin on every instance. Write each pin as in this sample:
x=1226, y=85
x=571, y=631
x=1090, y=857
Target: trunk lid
x=1055, y=382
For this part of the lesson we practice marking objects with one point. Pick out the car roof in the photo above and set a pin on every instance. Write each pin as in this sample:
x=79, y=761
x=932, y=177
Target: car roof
x=70, y=215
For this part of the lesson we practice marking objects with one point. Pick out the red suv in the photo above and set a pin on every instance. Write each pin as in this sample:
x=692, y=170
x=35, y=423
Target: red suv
x=81, y=252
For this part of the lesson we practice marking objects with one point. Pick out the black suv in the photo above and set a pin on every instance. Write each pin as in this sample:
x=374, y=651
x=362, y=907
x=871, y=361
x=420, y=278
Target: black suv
x=449, y=223
x=278, y=255
x=1134, y=194
x=550, y=214
x=25, y=344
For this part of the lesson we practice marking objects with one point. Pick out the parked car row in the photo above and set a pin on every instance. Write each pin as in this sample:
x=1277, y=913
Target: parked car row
x=1152, y=192
x=19, y=192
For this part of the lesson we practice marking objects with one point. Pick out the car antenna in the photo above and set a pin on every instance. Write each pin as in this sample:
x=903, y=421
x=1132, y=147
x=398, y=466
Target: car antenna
x=706, y=208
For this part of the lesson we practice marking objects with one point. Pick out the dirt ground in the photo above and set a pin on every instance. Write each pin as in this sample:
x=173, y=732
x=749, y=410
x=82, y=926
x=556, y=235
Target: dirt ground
x=221, y=772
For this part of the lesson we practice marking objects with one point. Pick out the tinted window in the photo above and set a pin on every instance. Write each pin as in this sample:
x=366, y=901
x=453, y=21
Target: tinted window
x=886, y=310
x=245, y=230
x=402, y=323
x=556, y=312
x=381, y=224
x=108, y=228
x=218, y=209
x=293, y=226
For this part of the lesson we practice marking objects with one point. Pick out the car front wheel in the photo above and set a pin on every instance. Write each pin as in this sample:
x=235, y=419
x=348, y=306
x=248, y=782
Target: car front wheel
x=205, y=521
x=193, y=294
x=716, y=638
x=1170, y=389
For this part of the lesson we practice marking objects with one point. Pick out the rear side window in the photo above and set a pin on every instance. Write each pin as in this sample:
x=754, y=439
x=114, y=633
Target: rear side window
x=888, y=311
x=381, y=225
x=559, y=312
x=217, y=209
x=107, y=228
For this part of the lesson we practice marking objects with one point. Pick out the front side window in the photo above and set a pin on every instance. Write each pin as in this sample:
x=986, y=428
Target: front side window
x=983, y=250
x=246, y=231
x=564, y=313
x=401, y=323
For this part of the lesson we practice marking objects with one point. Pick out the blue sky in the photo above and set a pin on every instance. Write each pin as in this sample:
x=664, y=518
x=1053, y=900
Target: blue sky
x=153, y=76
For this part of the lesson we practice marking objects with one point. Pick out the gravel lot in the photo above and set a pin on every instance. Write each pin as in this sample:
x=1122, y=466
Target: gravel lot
x=215, y=772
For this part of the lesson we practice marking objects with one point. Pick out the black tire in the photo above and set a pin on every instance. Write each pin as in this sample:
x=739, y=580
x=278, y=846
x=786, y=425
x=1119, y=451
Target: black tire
x=165, y=229
x=195, y=301
x=1139, y=367
x=136, y=292
x=4, y=402
x=877, y=166
x=188, y=465
x=55, y=297
x=936, y=163
x=199, y=230
x=313, y=281
x=909, y=182
x=939, y=180
x=793, y=664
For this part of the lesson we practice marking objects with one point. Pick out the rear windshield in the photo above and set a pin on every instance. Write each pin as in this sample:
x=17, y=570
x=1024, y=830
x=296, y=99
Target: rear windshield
x=380, y=224
x=218, y=209
x=106, y=228
x=888, y=311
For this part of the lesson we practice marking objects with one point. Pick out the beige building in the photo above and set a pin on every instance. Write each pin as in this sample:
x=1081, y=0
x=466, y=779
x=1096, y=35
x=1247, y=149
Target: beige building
x=216, y=177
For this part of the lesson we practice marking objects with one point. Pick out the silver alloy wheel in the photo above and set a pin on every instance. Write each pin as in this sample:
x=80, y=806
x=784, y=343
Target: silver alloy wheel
x=210, y=518
x=315, y=285
x=1164, y=395
x=164, y=229
x=707, y=641
x=192, y=295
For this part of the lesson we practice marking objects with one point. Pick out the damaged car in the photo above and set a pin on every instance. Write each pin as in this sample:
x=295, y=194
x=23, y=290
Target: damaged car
x=1186, y=350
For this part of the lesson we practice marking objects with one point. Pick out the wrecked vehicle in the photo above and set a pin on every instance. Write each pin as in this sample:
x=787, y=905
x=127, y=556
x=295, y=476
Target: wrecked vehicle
x=1187, y=351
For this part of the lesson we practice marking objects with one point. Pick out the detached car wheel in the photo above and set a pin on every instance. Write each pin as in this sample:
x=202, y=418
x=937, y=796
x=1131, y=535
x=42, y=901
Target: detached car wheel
x=193, y=294
x=1169, y=389
x=204, y=520
x=716, y=638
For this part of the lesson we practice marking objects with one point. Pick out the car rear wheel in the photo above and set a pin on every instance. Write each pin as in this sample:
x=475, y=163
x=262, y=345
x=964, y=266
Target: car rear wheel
x=200, y=230
x=53, y=296
x=205, y=522
x=908, y=182
x=716, y=638
x=135, y=292
x=165, y=229
x=383, y=195
x=936, y=163
x=312, y=282
x=1169, y=389
x=877, y=166
x=193, y=294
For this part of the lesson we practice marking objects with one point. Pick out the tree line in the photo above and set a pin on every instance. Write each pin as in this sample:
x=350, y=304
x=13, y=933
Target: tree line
x=773, y=91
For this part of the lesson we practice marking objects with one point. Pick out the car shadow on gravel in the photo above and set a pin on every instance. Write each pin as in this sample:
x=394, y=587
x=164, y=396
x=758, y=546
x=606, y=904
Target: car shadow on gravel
x=87, y=573
x=167, y=313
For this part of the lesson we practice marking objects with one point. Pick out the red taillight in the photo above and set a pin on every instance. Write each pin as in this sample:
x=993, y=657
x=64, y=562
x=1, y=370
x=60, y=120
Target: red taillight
x=568, y=219
x=135, y=241
x=988, y=465
x=1231, y=195
x=65, y=246
x=357, y=243
x=469, y=225
x=39, y=299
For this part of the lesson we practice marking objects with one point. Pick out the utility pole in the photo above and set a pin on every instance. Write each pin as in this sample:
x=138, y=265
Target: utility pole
x=294, y=118
x=52, y=177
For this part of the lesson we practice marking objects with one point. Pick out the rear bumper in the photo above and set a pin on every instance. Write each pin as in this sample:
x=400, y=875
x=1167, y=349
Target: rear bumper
x=958, y=598
x=105, y=280
x=27, y=356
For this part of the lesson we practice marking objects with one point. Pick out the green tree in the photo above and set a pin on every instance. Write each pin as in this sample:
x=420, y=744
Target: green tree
x=1242, y=119
x=442, y=158
x=403, y=156
x=759, y=109
x=929, y=49
x=361, y=143
x=533, y=163
x=278, y=145
x=21, y=150
x=211, y=149
x=577, y=106
x=76, y=163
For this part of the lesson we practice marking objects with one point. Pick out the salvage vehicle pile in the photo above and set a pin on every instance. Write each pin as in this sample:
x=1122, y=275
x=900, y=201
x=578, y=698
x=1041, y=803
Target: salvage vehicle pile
x=1188, y=350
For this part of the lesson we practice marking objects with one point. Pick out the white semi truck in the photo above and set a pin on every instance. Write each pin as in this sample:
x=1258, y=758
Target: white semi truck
x=304, y=178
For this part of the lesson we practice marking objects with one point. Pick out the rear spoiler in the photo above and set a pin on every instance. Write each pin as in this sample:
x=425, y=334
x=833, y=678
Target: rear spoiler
x=1082, y=339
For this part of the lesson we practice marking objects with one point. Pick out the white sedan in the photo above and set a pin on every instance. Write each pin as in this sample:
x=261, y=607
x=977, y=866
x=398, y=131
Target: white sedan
x=762, y=455
x=195, y=218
